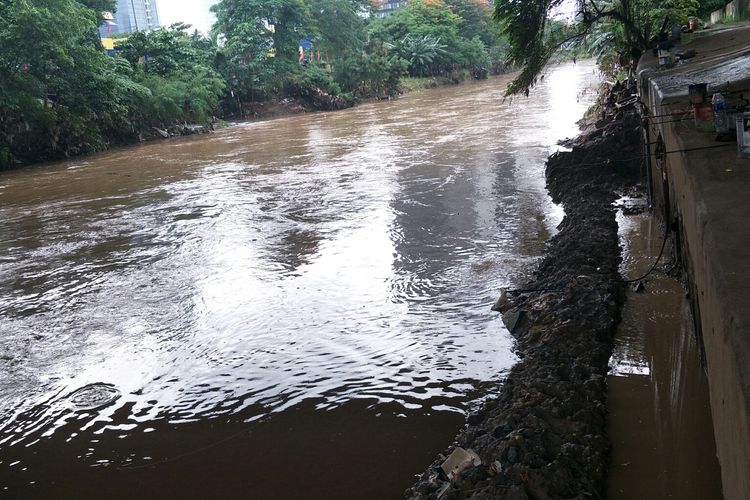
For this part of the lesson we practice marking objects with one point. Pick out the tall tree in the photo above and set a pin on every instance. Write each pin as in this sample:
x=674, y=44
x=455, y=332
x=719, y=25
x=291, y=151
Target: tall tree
x=339, y=26
x=60, y=94
x=424, y=25
x=476, y=20
x=251, y=25
x=53, y=77
x=262, y=40
x=527, y=25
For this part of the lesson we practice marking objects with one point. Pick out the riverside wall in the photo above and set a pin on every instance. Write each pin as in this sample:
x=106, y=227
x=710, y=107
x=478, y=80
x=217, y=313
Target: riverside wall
x=735, y=11
x=702, y=188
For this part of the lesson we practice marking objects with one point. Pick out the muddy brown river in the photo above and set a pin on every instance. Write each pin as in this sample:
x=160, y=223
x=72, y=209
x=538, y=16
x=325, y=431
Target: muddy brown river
x=282, y=309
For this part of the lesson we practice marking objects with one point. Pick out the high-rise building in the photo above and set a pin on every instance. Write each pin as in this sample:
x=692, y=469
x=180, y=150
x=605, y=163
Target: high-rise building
x=132, y=15
x=386, y=7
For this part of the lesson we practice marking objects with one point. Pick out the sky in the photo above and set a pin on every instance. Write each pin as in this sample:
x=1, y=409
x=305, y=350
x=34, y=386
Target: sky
x=193, y=12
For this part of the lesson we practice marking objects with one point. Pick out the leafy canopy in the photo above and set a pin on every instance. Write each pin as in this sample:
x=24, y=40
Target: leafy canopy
x=628, y=25
x=60, y=94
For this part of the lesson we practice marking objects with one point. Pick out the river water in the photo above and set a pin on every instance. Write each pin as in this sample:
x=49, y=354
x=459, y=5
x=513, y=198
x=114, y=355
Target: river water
x=659, y=417
x=296, y=307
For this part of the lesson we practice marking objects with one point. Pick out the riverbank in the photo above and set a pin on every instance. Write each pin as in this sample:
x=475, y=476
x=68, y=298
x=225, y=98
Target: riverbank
x=250, y=111
x=323, y=102
x=543, y=434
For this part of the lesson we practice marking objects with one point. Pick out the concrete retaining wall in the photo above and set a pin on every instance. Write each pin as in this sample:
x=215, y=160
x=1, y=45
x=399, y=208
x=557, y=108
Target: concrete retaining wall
x=704, y=186
x=736, y=10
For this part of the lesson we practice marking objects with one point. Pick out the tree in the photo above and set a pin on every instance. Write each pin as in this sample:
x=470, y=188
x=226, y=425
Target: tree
x=165, y=50
x=420, y=51
x=251, y=26
x=262, y=40
x=177, y=69
x=55, y=93
x=376, y=71
x=339, y=26
x=476, y=21
x=527, y=27
x=60, y=94
x=423, y=25
x=708, y=6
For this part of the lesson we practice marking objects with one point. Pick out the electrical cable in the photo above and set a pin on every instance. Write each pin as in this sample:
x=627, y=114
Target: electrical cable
x=640, y=157
x=673, y=121
x=666, y=230
x=658, y=258
x=636, y=280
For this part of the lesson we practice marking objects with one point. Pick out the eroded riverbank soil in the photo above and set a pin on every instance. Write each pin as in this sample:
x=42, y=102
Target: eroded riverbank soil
x=543, y=435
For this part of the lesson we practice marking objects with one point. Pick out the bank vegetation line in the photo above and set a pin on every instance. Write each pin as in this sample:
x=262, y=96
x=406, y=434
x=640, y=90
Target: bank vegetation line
x=543, y=434
x=62, y=95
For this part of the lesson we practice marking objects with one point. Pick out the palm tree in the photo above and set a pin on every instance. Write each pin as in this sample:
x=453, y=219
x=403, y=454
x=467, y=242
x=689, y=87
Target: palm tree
x=420, y=51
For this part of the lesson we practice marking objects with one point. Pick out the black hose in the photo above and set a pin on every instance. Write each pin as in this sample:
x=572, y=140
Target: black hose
x=661, y=252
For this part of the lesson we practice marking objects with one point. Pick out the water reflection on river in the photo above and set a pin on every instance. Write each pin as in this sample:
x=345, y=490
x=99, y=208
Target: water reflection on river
x=330, y=273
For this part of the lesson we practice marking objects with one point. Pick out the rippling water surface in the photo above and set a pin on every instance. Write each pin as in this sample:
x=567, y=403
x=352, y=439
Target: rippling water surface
x=181, y=306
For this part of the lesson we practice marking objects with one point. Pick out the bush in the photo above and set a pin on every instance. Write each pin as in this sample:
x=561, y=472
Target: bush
x=316, y=87
x=376, y=73
x=308, y=80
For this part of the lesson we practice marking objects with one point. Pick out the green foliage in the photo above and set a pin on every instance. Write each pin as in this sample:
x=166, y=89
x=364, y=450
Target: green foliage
x=60, y=94
x=614, y=29
x=373, y=73
x=100, y=5
x=247, y=27
x=421, y=52
x=309, y=80
x=476, y=21
x=339, y=26
x=54, y=92
x=187, y=96
x=166, y=50
x=706, y=7
x=428, y=37
x=435, y=38
x=177, y=70
x=261, y=43
x=676, y=10
x=475, y=57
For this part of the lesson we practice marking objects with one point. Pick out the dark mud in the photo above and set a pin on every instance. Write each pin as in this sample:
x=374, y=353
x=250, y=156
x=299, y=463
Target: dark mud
x=543, y=436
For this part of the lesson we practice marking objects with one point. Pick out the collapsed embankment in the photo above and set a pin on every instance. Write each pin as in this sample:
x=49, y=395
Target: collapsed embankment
x=543, y=435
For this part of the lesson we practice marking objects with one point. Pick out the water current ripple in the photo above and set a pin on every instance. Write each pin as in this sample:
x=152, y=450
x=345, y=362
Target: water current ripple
x=233, y=277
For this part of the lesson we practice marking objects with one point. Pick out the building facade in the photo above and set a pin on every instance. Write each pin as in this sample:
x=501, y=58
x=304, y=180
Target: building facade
x=385, y=7
x=132, y=15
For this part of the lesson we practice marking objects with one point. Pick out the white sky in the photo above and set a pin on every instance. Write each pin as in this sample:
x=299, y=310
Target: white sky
x=193, y=12
x=566, y=11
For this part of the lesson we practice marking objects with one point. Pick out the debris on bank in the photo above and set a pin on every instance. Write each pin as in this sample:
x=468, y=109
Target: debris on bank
x=543, y=436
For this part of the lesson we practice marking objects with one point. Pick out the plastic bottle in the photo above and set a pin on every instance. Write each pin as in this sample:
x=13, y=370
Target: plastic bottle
x=720, y=113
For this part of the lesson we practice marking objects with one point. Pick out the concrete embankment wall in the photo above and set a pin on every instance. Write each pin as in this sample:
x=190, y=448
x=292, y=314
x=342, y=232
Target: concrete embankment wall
x=703, y=186
x=736, y=10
